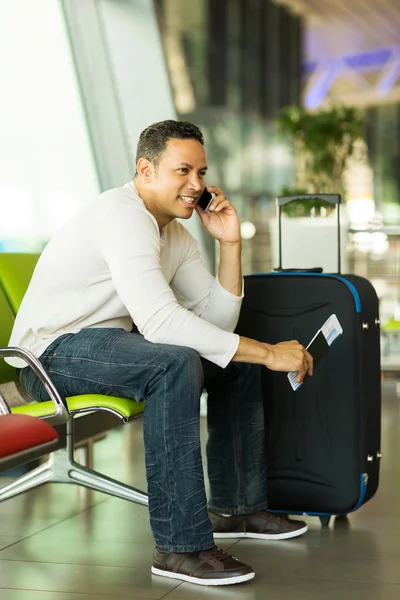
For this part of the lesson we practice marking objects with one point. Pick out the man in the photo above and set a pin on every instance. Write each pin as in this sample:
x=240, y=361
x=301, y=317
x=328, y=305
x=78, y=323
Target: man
x=103, y=315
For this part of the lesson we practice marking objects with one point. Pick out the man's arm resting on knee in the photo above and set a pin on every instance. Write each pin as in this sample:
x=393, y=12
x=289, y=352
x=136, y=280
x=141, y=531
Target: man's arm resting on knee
x=285, y=356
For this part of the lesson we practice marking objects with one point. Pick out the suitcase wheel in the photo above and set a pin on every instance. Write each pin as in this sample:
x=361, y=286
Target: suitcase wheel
x=325, y=520
x=342, y=521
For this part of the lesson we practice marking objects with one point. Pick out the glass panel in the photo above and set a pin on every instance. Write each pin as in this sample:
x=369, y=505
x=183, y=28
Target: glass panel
x=220, y=61
x=47, y=170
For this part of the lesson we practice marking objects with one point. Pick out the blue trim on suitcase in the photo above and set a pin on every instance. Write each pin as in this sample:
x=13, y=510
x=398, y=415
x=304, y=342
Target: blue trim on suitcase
x=364, y=484
x=342, y=279
x=363, y=491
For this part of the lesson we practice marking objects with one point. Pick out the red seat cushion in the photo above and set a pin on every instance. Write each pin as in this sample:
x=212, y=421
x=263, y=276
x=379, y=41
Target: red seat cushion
x=21, y=432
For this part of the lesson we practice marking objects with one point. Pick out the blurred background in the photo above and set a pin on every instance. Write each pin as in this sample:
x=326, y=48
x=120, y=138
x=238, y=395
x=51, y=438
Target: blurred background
x=293, y=96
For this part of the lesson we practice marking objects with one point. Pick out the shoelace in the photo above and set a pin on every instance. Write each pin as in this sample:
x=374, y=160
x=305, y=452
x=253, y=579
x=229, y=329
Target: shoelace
x=273, y=518
x=215, y=554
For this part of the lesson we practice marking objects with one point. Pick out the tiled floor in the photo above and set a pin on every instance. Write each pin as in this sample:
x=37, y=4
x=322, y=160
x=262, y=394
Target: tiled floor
x=63, y=543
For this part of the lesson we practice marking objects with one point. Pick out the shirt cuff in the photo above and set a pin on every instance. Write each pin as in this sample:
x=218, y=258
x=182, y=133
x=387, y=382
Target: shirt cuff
x=223, y=361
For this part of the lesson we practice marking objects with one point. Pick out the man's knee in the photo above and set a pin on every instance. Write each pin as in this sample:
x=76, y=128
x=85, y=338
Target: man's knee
x=185, y=359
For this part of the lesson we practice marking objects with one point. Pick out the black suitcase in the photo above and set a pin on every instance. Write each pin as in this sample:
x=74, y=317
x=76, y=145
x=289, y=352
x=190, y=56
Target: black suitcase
x=323, y=440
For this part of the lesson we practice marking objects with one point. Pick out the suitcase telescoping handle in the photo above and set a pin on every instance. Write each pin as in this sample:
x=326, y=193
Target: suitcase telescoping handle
x=330, y=198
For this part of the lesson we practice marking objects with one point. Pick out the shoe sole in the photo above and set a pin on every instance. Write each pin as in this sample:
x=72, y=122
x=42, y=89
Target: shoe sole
x=214, y=582
x=261, y=536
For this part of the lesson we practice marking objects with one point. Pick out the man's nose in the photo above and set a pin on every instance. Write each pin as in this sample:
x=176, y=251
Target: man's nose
x=195, y=183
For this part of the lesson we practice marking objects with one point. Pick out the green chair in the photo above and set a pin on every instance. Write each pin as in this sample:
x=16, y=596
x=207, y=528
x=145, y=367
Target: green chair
x=15, y=273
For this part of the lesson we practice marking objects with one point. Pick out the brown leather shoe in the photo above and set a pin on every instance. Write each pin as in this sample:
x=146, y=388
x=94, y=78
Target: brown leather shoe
x=208, y=567
x=261, y=525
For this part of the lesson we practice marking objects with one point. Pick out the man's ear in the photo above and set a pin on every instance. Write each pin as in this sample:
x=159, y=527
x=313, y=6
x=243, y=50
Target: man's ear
x=145, y=170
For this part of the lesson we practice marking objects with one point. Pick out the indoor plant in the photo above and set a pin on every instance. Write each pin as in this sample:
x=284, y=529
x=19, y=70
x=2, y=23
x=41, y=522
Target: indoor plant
x=324, y=141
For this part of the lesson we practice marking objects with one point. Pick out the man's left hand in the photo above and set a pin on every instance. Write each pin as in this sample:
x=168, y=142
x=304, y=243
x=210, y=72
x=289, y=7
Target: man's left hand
x=221, y=219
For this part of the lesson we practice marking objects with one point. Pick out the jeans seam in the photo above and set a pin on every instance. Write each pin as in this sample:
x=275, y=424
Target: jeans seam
x=238, y=447
x=98, y=362
x=97, y=382
x=111, y=363
x=172, y=500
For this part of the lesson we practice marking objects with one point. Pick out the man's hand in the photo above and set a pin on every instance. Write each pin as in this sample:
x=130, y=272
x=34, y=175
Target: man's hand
x=222, y=221
x=285, y=356
x=290, y=356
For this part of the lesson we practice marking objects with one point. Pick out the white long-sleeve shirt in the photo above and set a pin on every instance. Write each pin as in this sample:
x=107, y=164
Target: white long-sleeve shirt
x=109, y=267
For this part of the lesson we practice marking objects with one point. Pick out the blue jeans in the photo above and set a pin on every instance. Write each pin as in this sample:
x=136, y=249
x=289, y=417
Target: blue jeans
x=170, y=379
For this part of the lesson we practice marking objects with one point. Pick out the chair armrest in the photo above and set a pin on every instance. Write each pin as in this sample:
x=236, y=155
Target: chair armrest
x=4, y=408
x=61, y=414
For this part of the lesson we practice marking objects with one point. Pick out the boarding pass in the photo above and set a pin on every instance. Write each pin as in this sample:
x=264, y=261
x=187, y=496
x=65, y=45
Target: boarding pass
x=319, y=345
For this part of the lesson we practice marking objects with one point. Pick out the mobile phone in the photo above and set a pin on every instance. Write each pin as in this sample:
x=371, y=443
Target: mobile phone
x=318, y=347
x=205, y=200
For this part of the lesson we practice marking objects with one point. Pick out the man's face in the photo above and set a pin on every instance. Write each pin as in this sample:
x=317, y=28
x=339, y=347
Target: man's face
x=178, y=182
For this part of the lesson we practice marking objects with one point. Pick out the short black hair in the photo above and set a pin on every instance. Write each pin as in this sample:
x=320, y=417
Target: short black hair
x=153, y=140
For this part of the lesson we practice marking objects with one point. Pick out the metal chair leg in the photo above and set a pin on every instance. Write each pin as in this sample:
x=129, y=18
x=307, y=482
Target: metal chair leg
x=40, y=475
x=72, y=472
x=62, y=468
x=66, y=470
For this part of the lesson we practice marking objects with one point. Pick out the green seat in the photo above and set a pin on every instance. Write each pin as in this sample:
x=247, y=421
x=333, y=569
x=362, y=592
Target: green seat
x=15, y=273
x=124, y=408
x=392, y=326
x=7, y=373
